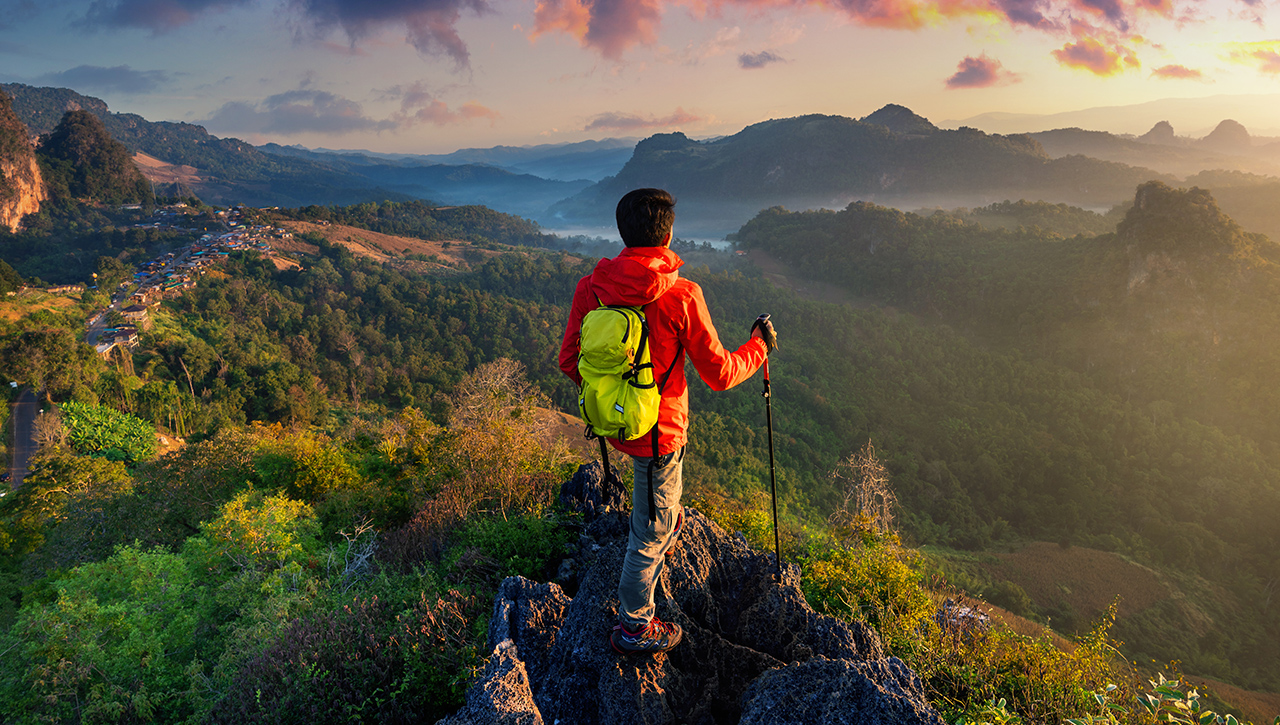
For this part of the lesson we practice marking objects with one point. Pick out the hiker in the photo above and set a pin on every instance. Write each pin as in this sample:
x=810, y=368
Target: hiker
x=646, y=275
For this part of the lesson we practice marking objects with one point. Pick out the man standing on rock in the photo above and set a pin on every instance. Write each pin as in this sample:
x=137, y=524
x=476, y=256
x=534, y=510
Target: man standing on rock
x=646, y=275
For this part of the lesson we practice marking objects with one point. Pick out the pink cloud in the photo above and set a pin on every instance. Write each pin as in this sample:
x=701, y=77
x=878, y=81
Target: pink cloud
x=981, y=72
x=438, y=113
x=612, y=27
x=1265, y=55
x=1091, y=55
x=1112, y=10
x=418, y=105
x=1177, y=72
x=609, y=26
x=613, y=121
x=1268, y=61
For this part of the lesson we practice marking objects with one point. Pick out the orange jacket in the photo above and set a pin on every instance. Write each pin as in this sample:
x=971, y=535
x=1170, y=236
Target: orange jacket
x=649, y=277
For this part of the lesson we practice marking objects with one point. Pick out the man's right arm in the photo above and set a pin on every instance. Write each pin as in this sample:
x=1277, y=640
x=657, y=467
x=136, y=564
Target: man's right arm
x=569, y=345
x=718, y=368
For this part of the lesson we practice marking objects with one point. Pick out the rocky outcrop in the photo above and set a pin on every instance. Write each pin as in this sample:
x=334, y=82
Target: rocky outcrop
x=753, y=650
x=98, y=168
x=901, y=119
x=22, y=188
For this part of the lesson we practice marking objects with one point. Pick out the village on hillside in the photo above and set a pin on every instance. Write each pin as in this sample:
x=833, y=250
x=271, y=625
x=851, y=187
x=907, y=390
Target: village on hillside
x=171, y=274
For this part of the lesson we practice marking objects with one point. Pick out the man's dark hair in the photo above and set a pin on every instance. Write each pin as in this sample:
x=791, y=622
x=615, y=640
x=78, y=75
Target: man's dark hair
x=645, y=217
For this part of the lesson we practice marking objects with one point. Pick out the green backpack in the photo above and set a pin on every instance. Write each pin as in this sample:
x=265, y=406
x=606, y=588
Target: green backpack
x=618, y=397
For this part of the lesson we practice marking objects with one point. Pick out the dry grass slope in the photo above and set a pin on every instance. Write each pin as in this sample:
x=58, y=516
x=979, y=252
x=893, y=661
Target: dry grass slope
x=1086, y=579
x=15, y=308
x=1260, y=708
x=382, y=248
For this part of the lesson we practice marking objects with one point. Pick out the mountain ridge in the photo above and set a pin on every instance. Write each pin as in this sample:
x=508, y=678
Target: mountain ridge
x=820, y=160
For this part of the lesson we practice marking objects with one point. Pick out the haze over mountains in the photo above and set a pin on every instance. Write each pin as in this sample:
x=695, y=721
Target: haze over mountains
x=1198, y=115
x=892, y=157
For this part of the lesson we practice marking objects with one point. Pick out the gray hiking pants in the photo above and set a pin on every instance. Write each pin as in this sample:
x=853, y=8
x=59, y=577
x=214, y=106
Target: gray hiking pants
x=648, y=543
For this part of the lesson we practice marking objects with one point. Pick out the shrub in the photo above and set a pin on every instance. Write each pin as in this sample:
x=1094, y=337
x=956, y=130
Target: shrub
x=871, y=579
x=118, y=642
x=256, y=532
x=94, y=430
x=973, y=673
x=1043, y=683
x=493, y=460
x=522, y=545
x=365, y=662
x=1171, y=701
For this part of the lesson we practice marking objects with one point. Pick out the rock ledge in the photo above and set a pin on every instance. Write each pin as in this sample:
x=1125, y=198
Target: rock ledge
x=753, y=650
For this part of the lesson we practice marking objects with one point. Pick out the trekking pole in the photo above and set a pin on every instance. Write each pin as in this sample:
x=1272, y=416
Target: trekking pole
x=773, y=481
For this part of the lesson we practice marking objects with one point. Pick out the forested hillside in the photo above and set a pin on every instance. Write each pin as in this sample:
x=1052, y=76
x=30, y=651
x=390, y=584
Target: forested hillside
x=1178, y=305
x=344, y=402
x=1162, y=333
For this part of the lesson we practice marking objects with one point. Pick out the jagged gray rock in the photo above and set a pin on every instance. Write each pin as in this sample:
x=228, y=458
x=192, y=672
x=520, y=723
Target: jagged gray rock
x=851, y=693
x=501, y=695
x=590, y=493
x=552, y=661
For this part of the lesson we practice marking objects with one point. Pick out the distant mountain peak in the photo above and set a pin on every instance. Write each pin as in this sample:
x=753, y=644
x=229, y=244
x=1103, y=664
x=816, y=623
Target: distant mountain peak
x=1228, y=136
x=666, y=142
x=901, y=119
x=1161, y=133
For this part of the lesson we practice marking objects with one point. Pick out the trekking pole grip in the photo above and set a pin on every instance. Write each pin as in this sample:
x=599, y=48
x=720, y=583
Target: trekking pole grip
x=759, y=324
x=760, y=321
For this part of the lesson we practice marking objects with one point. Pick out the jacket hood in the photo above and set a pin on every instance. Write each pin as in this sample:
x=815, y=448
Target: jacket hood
x=637, y=276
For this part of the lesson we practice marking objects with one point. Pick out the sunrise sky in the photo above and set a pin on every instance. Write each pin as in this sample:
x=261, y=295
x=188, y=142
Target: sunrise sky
x=430, y=76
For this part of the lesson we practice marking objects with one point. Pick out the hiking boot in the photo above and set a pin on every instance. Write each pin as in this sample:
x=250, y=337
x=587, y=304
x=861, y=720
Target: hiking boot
x=675, y=543
x=657, y=636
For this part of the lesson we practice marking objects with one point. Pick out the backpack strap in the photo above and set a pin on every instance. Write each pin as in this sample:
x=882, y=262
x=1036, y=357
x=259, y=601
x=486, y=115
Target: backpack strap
x=632, y=376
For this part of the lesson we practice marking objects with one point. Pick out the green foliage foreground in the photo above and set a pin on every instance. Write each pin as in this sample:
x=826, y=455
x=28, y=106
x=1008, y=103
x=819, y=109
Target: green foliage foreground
x=267, y=579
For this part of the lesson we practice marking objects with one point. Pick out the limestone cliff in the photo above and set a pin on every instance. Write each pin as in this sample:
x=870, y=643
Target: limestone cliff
x=22, y=187
x=753, y=650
